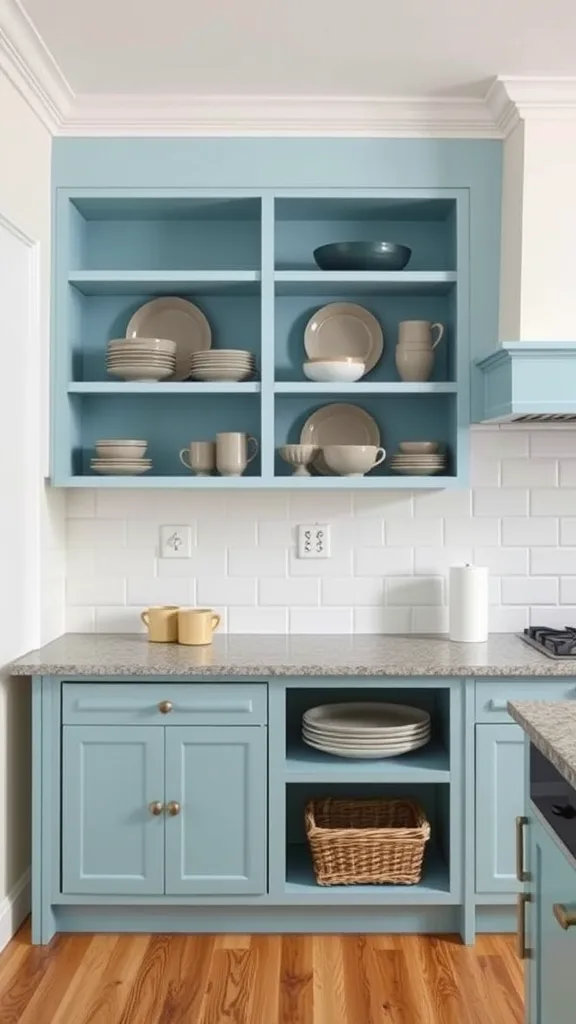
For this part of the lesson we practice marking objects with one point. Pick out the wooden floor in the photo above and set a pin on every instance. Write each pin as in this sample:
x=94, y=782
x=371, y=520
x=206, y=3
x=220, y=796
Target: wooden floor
x=236, y=979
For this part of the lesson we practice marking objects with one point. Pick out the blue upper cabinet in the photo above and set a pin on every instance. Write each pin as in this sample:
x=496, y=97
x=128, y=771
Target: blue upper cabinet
x=244, y=256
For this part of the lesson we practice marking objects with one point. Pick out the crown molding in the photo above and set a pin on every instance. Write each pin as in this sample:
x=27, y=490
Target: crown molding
x=279, y=116
x=511, y=99
x=28, y=63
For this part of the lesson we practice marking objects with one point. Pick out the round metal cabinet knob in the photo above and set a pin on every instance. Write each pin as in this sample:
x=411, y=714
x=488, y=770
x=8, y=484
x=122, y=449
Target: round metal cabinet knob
x=165, y=707
x=173, y=808
x=156, y=807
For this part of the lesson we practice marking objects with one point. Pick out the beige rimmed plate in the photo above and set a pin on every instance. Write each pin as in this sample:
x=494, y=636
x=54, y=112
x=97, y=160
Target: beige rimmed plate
x=339, y=424
x=177, y=320
x=344, y=329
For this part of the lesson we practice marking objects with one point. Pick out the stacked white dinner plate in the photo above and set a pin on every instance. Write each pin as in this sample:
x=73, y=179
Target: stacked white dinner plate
x=418, y=465
x=120, y=457
x=224, y=364
x=141, y=359
x=366, y=729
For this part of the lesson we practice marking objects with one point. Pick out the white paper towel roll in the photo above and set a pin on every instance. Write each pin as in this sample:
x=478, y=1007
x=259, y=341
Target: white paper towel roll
x=469, y=603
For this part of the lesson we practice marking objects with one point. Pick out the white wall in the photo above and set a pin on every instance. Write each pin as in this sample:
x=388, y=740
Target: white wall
x=31, y=519
x=391, y=550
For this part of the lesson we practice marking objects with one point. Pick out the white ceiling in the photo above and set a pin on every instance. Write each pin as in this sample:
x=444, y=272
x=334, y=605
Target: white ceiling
x=304, y=47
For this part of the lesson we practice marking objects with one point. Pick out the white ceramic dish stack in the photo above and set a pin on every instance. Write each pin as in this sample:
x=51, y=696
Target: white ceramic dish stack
x=369, y=730
x=141, y=359
x=120, y=457
x=419, y=458
x=222, y=365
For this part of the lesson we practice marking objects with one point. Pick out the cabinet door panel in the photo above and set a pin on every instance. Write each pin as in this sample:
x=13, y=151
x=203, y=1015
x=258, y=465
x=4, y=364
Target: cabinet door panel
x=217, y=842
x=499, y=799
x=112, y=844
x=550, y=981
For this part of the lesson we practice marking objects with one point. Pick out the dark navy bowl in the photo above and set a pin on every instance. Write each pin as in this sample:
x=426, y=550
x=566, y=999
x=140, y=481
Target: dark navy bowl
x=362, y=256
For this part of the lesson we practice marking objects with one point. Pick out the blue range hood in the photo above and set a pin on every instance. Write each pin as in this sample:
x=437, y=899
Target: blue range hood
x=529, y=381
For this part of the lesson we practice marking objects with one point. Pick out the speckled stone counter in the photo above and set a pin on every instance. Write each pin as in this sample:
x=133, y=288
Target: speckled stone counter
x=96, y=655
x=551, y=725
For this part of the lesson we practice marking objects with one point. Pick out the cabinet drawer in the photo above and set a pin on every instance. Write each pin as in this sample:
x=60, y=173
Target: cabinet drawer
x=491, y=698
x=164, y=703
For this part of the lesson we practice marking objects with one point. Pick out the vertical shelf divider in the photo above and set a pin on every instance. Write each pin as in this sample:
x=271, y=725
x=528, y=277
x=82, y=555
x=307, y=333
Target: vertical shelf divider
x=267, y=344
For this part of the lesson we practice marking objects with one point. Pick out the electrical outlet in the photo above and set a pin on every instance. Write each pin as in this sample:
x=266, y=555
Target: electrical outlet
x=175, y=542
x=314, y=541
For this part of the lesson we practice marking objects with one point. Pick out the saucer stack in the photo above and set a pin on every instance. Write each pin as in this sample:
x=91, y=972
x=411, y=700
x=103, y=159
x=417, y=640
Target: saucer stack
x=141, y=359
x=224, y=364
x=418, y=458
x=120, y=457
x=366, y=730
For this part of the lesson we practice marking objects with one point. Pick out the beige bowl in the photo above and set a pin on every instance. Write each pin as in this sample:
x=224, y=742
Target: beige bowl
x=352, y=459
x=120, y=451
x=299, y=456
x=419, y=447
x=142, y=344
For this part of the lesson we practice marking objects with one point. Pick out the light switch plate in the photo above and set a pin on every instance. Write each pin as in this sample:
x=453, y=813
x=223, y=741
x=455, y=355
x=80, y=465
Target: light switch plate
x=175, y=542
x=314, y=540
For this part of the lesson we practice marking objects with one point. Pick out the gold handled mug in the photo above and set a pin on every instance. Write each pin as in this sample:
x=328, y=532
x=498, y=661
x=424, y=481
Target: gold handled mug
x=161, y=621
x=196, y=626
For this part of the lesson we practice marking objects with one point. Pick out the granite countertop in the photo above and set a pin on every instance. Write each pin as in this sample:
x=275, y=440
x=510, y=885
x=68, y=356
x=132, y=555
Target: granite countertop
x=243, y=655
x=551, y=725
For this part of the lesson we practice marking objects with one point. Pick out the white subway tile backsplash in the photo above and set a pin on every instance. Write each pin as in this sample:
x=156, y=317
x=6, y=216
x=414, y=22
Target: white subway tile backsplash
x=558, y=618
x=414, y=533
x=524, y=532
x=529, y=473
x=257, y=562
x=391, y=550
x=288, y=591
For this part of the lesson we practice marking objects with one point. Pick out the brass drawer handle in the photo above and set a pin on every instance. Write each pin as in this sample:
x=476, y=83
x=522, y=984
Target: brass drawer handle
x=156, y=808
x=173, y=808
x=566, y=918
x=165, y=707
x=521, y=873
x=523, y=899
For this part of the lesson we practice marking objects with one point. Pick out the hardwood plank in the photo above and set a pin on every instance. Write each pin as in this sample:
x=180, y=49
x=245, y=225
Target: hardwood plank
x=188, y=965
x=296, y=1001
x=443, y=994
x=229, y=989
x=70, y=952
x=87, y=980
x=328, y=980
x=28, y=971
x=121, y=972
x=357, y=957
x=267, y=952
x=148, y=992
x=233, y=941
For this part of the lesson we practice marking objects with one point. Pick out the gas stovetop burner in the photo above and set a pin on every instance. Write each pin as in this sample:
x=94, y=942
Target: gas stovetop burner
x=556, y=643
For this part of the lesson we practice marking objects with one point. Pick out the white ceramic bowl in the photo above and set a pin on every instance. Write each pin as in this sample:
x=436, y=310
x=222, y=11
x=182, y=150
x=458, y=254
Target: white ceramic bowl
x=143, y=344
x=336, y=371
x=298, y=455
x=142, y=372
x=221, y=373
x=352, y=459
x=120, y=451
x=419, y=447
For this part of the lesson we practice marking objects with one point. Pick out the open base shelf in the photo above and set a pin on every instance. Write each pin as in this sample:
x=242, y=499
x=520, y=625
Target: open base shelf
x=434, y=886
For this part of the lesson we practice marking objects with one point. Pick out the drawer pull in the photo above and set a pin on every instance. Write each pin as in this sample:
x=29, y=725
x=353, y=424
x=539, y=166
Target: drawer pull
x=521, y=873
x=523, y=899
x=173, y=808
x=156, y=808
x=566, y=918
x=498, y=705
x=165, y=707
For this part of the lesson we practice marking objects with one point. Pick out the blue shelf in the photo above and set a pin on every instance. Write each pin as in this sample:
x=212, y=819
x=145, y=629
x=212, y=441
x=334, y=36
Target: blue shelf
x=433, y=888
x=303, y=764
x=326, y=483
x=96, y=387
x=165, y=282
x=346, y=283
x=359, y=388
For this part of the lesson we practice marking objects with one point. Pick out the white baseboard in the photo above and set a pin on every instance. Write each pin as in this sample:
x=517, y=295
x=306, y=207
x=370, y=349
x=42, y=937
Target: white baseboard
x=14, y=908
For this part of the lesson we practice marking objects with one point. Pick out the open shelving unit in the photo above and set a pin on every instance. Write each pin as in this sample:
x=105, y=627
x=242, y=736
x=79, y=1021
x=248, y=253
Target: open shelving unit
x=245, y=258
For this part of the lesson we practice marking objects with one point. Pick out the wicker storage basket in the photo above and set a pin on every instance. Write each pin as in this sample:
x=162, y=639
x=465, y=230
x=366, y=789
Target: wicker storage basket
x=366, y=842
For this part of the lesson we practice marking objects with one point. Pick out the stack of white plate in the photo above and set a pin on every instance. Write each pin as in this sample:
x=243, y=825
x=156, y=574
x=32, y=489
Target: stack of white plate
x=120, y=457
x=366, y=730
x=418, y=463
x=141, y=359
x=224, y=364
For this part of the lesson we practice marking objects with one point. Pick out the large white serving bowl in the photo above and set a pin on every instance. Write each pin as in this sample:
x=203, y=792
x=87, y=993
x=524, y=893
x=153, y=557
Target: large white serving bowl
x=334, y=371
x=352, y=459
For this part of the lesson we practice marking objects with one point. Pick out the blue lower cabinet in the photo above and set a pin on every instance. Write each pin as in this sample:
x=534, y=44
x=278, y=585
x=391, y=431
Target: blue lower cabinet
x=113, y=843
x=499, y=800
x=552, y=947
x=216, y=810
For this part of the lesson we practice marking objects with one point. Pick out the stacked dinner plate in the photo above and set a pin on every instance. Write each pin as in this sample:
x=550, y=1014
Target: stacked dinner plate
x=224, y=364
x=120, y=457
x=141, y=359
x=425, y=464
x=366, y=730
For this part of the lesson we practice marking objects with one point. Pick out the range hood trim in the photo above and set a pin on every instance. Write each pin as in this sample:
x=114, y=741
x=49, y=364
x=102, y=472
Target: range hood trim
x=528, y=378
